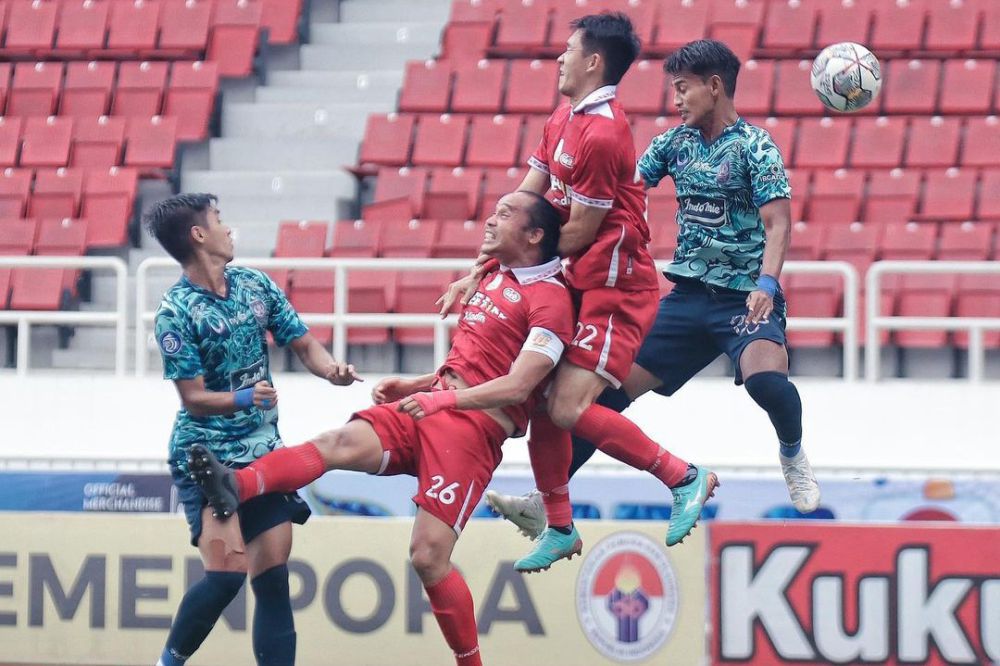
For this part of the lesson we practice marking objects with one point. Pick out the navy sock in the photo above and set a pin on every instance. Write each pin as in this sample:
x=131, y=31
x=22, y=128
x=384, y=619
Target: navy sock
x=199, y=610
x=780, y=399
x=611, y=398
x=273, y=625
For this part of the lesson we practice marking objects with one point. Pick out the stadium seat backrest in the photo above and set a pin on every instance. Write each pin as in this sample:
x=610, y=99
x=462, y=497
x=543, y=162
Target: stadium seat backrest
x=10, y=140
x=843, y=22
x=191, y=98
x=822, y=142
x=982, y=142
x=87, y=90
x=133, y=26
x=933, y=142
x=46, y=142
x=952, y=26
x=911, y=86
x=355, y=238
x=184, y=25
x=426, y=86
x=303, y=238
x=281, y=19
x=642, y=89
x=150, y=142
x=968, y=241
x=479, y=87
x=31, y=26
x=680, y=21
x=233, y=39
x=17, y=236
x=35, y=89
x=388, y=139
x=83, y=25
x=968, y=86
x=139, y=92
x=56, y=193
x=878, y=142
x=493, y=141
x=789, y=24
x=898, y=26
x=531, y=86
x=756, y=88
x=440, y=140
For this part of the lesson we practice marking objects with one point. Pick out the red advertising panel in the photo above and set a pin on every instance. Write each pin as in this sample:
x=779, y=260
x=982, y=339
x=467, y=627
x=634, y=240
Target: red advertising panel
x=800, y=593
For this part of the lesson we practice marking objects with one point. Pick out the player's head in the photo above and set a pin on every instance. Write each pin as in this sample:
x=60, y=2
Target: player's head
x=598, y=53
x=189, y=224
x=704, y=77
x=523, y=230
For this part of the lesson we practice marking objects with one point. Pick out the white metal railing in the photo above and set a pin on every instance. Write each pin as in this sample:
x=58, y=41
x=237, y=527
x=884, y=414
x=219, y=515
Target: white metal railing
x=340, y=318
x=25, y=318
x=877, y=321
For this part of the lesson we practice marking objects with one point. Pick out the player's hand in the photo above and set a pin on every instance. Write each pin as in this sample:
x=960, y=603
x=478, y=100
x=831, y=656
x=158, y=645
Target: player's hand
x=391, y=389
x=425, y=403
x=264, y=395
x=341, y=374
x=759, y=307
x=461, y=289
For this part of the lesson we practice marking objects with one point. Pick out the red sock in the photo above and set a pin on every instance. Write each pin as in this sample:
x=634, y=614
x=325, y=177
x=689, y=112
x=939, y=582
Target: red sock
x=618, y=437
x=451, y=602
x=550, y=449
x=283, y=470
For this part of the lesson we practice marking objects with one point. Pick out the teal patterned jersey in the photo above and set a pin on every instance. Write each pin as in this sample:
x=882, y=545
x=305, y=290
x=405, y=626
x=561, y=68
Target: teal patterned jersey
x=720, y=189
x=224, y=341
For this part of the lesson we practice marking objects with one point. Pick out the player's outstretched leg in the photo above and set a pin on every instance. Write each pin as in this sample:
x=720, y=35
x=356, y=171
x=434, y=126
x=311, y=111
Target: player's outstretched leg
x=527, y=512
x=215, y=479
x=688, y=502
x=551, y=547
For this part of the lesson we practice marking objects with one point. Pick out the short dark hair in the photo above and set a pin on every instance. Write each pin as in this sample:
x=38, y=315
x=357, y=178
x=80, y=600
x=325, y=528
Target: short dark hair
x=705, y=58
x=170, y=221
x=543, y=215
x=611, y=34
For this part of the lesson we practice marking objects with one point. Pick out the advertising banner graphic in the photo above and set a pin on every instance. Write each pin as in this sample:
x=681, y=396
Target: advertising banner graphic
x=101, y=590
x=806, y=593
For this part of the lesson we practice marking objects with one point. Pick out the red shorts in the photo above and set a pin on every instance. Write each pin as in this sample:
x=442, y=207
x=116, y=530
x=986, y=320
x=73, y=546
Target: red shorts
x=452, y=453
x=610, y=327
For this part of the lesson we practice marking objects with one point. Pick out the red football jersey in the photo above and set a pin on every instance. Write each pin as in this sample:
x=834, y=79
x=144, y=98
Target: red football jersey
x=512, y=309
x=589, y=154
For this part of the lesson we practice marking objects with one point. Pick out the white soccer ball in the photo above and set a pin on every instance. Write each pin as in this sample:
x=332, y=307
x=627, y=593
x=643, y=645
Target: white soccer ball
x=846, y=77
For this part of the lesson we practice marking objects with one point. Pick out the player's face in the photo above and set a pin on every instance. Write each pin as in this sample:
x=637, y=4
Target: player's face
x=573, y=65
x=506, y=234
x=218, y=237
x=694, y=99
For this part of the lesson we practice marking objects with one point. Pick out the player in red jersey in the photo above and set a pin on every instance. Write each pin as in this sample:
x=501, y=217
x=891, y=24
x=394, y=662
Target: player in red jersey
x=585, y=164
x=445, y=428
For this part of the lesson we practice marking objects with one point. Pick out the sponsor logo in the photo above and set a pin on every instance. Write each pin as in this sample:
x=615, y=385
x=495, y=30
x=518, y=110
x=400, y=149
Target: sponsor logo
x=511, y=295
x=626, y=597
x=722, y=176
x=485, y=303
x=540, y=339
x=170, y=343
x=247, y=377
x=259, y=311
x=566, y=160
x=704, y=211
x=474, y=317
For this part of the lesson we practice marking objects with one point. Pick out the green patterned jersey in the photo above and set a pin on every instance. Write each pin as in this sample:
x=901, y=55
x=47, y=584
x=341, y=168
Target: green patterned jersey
x=224, y=341
x=720, y=189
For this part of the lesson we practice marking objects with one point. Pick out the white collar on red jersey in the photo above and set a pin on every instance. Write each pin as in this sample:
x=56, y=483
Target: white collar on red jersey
x=526, y=275
x=593, y=102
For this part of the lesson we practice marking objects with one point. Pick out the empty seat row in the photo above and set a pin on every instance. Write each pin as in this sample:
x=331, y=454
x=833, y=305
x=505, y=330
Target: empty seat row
x=39, y=288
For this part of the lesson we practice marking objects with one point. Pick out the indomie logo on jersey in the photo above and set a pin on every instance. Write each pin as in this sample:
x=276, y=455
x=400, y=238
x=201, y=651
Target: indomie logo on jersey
x=247, y=377
x=704, y=211
x=626, y=597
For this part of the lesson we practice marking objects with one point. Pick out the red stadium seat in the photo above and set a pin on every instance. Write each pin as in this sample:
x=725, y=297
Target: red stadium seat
x=83, y=25
x=908, y=241
x=46, y=142
x=390, y=210
x=452, y=194
x=301, y=238
x=314, y=300
x=36, y=289
x=459, y=239
x=967, y=86
x=952, y=26
x=97, y=142
x=898, y=26
x=479, y=88
x=789, y=25
x=17, y=236
x=140, y=89
x=756, y=87
x=63, y=237
x=855, y=243
x=184, y=26
x=822, y=142
x=87, y=91
x=10, y=140
x=281, y=18
x=368, y=292
x=892, y=196
x=812, y=296
x=641, y=91
x=989, y=38
x=977, y=304
x=933, y=142
x=982, y=142
x=440, y=140
x=845, y=21
x=968, y=241
x=923, y=303
x=233, y=40
x=407, y=182
x=737, y=24
x=472, y=11
x=989, y=202
x=56, y=194
x=878, y=142
x=427, y=86
x=409, y=239
x=416, y=293
x=191, y=98
x=646, y=128
x=30, y=27
x=466, y=42
x=806, y=242
x=530, y=137
x=150, y=142
x=499, y=182
x=911, y=86
x=108, y=196
x=836, y=196
x=799, y=180
x=679, y=22
x=642, y=13
x=782, y=132
x=355, y=238
x=522, y=27
x=531, y=86
x=388, y=139
x=949, y=195
x=793, y=93
x=493, y=141
x=133, y=26
x=15, y=186
x=5, y=74
x=35, y=89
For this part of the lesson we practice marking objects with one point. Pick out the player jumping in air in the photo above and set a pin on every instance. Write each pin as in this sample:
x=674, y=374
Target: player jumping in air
x=211, y=328
x=444, y=428
x=733, y=194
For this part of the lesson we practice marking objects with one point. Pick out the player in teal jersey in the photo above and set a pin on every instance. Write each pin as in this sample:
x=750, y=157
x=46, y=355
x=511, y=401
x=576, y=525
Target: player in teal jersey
x=211, y=329
x=734, y=223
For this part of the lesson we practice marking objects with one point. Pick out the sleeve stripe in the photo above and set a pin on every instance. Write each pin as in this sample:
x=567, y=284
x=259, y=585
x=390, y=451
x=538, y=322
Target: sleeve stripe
x=535, y=163
x=587, y=201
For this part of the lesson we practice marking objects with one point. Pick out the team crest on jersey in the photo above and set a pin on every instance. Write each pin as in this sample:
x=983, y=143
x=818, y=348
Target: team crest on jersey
x=495, y=282
x=259, y=311
x=511, y=295
x=566, y=160
x=170, y=343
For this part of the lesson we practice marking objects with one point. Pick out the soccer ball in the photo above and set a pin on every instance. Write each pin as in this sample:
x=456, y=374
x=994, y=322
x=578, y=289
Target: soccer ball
x=846, y=77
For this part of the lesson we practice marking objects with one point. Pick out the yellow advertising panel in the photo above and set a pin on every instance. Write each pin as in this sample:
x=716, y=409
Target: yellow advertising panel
x=101, y=589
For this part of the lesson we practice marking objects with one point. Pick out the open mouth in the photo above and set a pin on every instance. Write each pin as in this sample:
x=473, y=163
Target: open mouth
x=489, y=236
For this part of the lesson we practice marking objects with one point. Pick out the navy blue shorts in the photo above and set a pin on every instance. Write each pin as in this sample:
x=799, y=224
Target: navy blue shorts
x=256, y=515
x=698, y=322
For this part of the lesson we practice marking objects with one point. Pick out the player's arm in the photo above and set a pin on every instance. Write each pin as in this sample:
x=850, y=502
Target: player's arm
x=201, y=402
x=536, y=181
x=581, y=228
x=777, y=218
x=654, y=163
x=391, y=389
x=319, y=362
